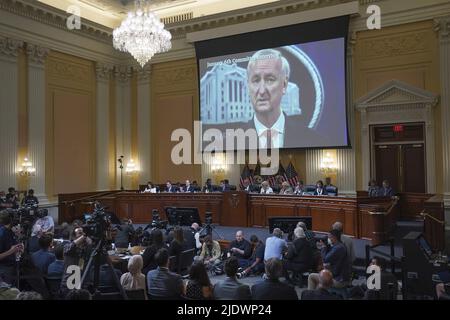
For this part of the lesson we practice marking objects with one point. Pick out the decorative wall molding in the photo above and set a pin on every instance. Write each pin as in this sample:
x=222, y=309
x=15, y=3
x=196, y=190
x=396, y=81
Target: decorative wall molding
x=394, y=102
x=36, y=54
x=181, y=74
x=42, y=13
x=69, y=71
x=123, y=73
x=144, y=73
x=103, y=71
x=395, y=45
x=10, y=47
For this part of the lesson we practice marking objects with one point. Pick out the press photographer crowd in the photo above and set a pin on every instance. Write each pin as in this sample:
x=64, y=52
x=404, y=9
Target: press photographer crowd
x=174, y=259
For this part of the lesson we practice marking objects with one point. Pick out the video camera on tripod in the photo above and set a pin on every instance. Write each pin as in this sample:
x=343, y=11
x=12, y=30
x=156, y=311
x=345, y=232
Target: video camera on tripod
x=97, y=224
x=207, y=227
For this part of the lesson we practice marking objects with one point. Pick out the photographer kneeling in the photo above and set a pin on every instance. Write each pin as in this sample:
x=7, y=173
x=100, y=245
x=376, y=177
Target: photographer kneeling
x=211, y=253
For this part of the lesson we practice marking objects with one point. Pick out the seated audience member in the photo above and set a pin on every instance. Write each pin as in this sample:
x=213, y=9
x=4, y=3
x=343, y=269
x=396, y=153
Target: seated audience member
x=198, y=286
x=320, y=190
x=386, y=190
x=256, y=261
x=30, y=199
x=134, y=279
x=177, y=245
x=265, y=188
x=271, y=288
x=43, y=225
x=43, y=257
x=286, y=188
x=124, y=234
x=7, y=292
x=308, y=233
x=334, y=256
x=299, y=256
x=56, y=268
x=189, y=187
x=374, y=190
x=230, y=288
x=275, y=245
x=388, y=284
x=240, y=248
x=29, y=295
x=211, y=252
x=78, y=294
x=299, y=188
x=170, y=187
x=148, y=256
x=208, y=186
x=348, y=242
x=8, y=248
x=192, y=237
x=325, y=279
x=161, y=283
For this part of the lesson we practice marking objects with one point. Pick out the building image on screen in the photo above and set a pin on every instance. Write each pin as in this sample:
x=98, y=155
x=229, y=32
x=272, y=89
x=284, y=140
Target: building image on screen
x=296, y=92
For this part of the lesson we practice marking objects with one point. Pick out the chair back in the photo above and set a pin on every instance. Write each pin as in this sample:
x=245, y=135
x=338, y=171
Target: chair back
x=332, y=190
x=53, y=284
x=186, y=259
x=138, y=294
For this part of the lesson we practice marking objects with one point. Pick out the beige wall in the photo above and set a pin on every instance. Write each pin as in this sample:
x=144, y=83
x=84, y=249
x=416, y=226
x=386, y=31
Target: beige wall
x=70, y=141
x=409, y=53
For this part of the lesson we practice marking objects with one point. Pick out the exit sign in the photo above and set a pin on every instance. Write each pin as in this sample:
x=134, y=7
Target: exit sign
x=398, y=128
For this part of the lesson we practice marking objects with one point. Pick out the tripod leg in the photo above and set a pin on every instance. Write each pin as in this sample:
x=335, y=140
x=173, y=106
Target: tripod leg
x=116, y=279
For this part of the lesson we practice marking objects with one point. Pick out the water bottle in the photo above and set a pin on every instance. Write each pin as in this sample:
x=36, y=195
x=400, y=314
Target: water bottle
x=129, y=247
x=113, y=247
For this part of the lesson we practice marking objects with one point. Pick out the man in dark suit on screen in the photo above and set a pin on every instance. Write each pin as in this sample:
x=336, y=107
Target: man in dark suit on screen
x=268, y=77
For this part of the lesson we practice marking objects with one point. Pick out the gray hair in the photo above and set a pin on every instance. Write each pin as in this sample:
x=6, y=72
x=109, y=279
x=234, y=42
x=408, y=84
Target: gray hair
x=302, y=225
x=299, y=233
x=266, y=54
x=274, y=268
x=338, y=226
x=135, y=264
x=277, y=232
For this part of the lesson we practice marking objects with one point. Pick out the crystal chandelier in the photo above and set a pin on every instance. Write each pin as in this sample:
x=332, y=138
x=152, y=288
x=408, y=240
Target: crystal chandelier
x=142, y=34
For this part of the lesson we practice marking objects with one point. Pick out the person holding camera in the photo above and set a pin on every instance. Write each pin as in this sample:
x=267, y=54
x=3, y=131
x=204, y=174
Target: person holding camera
x=9, y=248
x=211, y=252
x=124, y=234
x=30, y=199
x=77, y=252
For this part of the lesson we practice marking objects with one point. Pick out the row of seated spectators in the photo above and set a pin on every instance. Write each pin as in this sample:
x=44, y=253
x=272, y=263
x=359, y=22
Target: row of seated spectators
x=327, y=261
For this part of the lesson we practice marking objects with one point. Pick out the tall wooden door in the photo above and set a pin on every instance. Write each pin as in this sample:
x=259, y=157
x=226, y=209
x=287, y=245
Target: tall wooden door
x=400, y=156
x=388, y=165
x=413, y=168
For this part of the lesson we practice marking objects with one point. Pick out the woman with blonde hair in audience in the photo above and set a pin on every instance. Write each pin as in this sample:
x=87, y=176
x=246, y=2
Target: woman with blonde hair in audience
x=134, y=279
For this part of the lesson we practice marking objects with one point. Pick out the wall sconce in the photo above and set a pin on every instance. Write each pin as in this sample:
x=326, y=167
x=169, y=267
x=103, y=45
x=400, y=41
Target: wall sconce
x=131, y=168
x=328, y=165
x=27, y=169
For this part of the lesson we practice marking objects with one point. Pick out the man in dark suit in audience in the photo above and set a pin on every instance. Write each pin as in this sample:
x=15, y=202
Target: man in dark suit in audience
x=271, y=288
x=231, y=288
x=322, y=292
x=386, y=190
x=161, y=283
